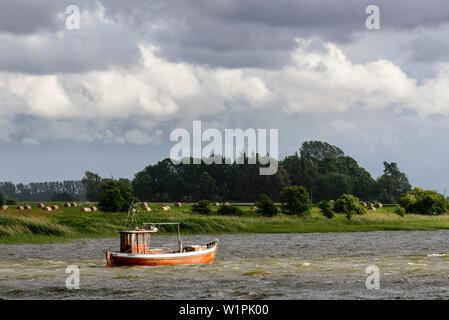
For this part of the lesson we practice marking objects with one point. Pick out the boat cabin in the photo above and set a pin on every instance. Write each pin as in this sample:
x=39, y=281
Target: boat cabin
x=135, y=241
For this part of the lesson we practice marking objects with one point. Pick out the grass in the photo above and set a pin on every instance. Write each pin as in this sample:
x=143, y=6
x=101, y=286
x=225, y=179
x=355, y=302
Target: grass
x=37, y=226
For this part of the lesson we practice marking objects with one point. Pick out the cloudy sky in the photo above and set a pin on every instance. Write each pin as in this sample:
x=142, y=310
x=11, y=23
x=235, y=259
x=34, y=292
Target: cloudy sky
x=106, y=96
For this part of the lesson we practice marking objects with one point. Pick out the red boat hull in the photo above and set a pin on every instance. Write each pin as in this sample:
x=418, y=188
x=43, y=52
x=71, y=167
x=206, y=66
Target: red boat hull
x=117, y=259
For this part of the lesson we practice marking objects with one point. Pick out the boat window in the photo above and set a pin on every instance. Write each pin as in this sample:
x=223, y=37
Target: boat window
x=141, y=238
x=133, y=239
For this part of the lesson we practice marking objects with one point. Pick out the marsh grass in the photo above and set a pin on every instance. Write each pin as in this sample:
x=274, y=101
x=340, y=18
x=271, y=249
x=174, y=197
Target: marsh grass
x=37, y=226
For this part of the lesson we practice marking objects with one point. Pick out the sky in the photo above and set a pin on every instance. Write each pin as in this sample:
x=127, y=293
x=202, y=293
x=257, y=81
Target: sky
x=105, y=96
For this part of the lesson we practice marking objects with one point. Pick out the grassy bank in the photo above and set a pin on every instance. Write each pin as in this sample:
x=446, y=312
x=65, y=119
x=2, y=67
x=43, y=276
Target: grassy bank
x=37, y=226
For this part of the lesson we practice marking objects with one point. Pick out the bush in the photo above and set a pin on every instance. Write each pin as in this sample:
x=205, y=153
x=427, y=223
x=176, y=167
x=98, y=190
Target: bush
x=202, y=207
x=266, y=207
x=2, y=201
x=228, y=210
x=10, y=201
x=115, y=195
x=399, y=210
x=349, y=205
x=295, y=200
x=327, y=209
x=424, y=202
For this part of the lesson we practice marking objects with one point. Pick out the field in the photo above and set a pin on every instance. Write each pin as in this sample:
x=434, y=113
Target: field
x=37, y=226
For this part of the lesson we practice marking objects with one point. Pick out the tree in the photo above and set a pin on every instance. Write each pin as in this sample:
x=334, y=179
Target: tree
x=424, y=202
x=295, y=200
x=92, y=182
x=392, y=185
x=228, y=210
x=207, y=188
x=349, y=205
x=320, y=150
x=2, y=199
x=62, y=197
x=327, y=208
x=202, y=207
x=115, y=195
x=266, y=207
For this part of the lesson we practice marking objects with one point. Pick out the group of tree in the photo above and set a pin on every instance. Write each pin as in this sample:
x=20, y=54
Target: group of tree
x=44, y=191
x=323, y=169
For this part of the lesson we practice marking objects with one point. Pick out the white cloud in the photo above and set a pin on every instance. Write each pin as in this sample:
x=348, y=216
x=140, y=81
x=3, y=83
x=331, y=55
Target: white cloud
x=129, y=105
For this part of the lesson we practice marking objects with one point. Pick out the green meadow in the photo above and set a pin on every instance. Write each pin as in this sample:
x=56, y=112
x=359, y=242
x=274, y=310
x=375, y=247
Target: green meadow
x=37, y=226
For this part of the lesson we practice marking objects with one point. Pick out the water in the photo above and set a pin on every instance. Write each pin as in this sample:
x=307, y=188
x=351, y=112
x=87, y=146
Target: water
x=413, y=265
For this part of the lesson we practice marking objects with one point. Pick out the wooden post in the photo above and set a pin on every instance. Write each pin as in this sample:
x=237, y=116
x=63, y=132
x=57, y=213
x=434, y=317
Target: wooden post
x=179, y=240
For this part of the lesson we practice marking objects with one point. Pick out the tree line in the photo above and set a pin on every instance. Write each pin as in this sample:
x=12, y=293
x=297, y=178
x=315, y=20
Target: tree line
x=321, y=168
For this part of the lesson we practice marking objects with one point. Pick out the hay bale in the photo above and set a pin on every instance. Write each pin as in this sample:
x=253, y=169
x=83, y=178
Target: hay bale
x=144, y=205
x=178, y=204
x=40, y=205
x=93, y=209
x=28, y=207
x=67, y=205
x=20, y=208
x=47, y=208
x=146, y=209
x=216, y=204
x=378, y=205
x=166, y=208
x=4, y=207
x=74, y=204
x=86, y=210
x=55, y=207
x=226, y=203
x=254, y=209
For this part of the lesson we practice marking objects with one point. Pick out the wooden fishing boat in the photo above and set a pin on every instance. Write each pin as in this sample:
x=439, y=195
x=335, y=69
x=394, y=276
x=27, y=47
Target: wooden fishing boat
x=135, y=250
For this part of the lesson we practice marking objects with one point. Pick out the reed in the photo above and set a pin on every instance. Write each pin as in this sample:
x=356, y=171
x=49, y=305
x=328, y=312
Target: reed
x=17, y=226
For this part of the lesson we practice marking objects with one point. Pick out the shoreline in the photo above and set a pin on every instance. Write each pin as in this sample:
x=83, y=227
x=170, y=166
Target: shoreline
x=36, y=226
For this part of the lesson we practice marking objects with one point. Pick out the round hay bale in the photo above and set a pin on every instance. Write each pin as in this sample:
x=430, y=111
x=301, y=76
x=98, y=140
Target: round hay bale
x=20, y=208
x=40, y=205
x=146, y=209
x=216, y=204
x=254, y=209
x=226, y=203
x=178, y=204
x=4, y=207
x=67, y=205
x=86, y=210
x=28, y=207
x=166, y=208
x=47, y=209
x=55, y=207
x=144, y=205
x=74, y=204
x=378, y=205
x=93, y=209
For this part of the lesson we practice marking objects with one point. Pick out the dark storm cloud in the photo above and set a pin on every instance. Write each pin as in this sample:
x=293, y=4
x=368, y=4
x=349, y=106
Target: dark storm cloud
x=260, y=33
x=230, y=34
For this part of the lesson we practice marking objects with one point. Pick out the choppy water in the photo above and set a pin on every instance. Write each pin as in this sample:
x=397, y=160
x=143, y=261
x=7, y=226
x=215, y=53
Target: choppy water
x=413, y=265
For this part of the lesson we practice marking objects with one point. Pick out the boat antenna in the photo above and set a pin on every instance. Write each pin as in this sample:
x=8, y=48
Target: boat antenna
x=130, y=210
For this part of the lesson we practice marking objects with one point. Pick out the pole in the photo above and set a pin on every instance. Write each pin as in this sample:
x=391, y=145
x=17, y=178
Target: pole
x=179, y=240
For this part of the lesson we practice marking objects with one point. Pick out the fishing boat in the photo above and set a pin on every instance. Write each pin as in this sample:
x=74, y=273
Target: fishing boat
x=135, y=249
